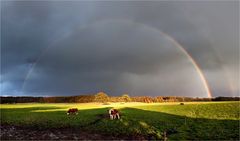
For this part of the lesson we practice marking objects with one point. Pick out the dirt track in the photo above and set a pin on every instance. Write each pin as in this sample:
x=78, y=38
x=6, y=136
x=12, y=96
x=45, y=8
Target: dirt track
x=9, y=132
x=18, y=133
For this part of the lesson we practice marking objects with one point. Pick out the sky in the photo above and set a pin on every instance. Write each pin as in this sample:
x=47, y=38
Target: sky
x=154, y=48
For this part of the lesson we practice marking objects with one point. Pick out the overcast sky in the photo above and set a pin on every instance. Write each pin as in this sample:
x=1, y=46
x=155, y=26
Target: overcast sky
x=54, y=48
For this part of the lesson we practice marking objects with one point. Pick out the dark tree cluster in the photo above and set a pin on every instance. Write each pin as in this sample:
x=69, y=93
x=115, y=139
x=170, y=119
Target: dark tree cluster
x=69, y=99
x=103, y=98
x=226, y=99
x=11, y=99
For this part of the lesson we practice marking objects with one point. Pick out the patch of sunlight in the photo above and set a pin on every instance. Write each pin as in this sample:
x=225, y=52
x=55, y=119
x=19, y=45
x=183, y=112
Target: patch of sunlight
x=125, y=123
x=120, y=105
x=150, y=129
x=48, y=110
x=144, y=124
x=137, y=130
x=207, y=110
x=77, y=105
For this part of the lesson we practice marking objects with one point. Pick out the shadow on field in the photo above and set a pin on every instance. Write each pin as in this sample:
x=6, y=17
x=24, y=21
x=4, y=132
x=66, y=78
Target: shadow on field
x=153, y=124
x=137, y=124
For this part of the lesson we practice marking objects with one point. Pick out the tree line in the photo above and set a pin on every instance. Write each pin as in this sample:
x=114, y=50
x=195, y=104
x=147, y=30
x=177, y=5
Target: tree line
x=104, y=98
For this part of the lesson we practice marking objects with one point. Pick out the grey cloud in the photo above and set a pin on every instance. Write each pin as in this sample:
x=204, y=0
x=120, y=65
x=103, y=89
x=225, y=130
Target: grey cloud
x=82, y=64
x=86, y=55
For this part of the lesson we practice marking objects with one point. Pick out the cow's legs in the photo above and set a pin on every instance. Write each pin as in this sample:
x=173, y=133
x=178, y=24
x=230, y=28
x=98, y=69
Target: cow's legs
x=111, y=117
x=118, y=117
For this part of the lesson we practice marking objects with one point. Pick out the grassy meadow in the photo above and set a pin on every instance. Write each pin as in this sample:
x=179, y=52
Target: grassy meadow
x=191, y=121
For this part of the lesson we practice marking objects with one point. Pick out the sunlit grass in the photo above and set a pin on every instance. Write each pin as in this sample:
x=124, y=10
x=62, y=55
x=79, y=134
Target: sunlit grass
x=210, y=110
x=220, y=110
x=193, y=120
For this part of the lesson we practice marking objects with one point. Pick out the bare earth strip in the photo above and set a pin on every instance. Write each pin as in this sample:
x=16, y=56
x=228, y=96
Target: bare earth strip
x=9, y=132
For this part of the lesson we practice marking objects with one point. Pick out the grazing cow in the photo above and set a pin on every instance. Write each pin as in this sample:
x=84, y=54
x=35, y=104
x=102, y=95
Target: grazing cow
x=73, y=111
x=114, y=113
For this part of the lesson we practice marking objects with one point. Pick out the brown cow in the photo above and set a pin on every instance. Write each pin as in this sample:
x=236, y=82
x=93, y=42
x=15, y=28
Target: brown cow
x=114, y=113
x=73, y=111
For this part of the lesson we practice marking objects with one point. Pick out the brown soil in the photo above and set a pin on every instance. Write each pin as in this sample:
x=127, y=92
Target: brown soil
x=9, y=132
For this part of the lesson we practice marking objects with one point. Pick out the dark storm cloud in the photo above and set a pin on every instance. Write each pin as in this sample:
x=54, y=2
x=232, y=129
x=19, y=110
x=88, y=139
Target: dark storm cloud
x=116, y=47
x=102, y=64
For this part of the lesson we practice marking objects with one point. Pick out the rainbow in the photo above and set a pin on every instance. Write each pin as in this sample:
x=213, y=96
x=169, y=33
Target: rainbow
x=194, y=63
x=196, y=66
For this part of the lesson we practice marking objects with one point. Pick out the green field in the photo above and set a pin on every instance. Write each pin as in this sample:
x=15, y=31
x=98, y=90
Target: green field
x=191, y=121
